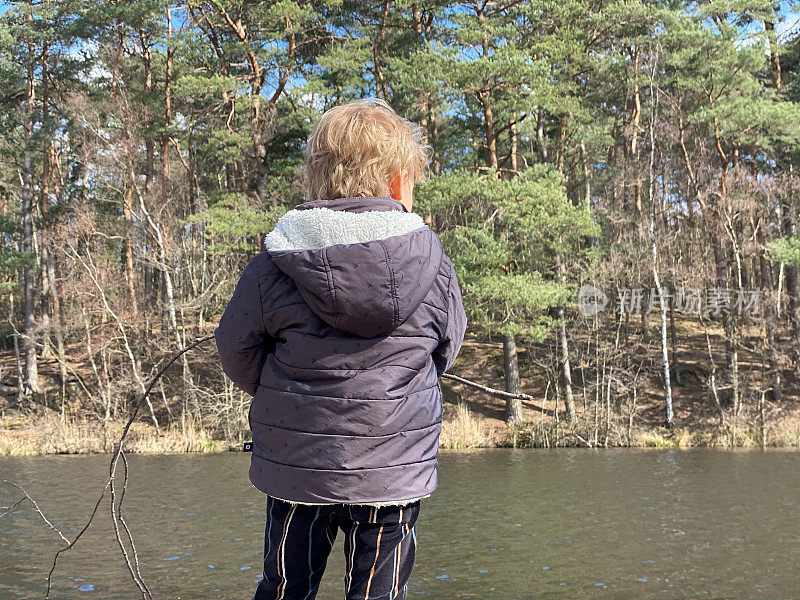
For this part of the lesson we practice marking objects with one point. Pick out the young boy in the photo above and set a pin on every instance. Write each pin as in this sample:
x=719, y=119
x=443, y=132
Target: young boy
x=340, y=330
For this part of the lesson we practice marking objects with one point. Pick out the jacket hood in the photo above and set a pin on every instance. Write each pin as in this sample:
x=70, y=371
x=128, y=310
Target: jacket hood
x=363, y=265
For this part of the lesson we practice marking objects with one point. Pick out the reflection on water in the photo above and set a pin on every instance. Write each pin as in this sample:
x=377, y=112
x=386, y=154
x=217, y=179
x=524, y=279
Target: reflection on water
x=572, y=523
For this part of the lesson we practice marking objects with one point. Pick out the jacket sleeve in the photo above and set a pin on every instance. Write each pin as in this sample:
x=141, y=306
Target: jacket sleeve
x=455, y=327
x=242, y=339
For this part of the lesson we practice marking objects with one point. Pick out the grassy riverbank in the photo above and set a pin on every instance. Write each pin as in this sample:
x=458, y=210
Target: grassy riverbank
x=608, y=414
x=462, y=428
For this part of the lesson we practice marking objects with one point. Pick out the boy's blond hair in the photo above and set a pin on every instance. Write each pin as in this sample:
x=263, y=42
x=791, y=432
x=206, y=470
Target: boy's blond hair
x=356, y=148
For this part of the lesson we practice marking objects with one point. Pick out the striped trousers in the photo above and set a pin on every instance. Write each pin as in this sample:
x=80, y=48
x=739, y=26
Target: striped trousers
x=379, y=546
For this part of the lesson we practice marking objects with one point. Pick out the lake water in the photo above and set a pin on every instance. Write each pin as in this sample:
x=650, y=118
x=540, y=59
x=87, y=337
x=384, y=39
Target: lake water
x=569, y=523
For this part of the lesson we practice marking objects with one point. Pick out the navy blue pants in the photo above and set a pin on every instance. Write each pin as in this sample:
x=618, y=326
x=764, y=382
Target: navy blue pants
x=379, y=546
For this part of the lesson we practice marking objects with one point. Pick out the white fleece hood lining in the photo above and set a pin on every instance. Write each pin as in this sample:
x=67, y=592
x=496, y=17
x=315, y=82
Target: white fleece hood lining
x=315, y=228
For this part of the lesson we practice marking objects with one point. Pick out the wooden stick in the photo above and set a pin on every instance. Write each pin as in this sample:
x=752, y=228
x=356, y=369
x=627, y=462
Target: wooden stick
x=488, y=390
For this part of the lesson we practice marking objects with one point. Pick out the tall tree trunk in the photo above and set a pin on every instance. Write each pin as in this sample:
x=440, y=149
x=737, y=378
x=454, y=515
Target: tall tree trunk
x=511, y=369
x=769, y=327
x=58, y=320
x=17, y=355
x=654, y=251
x=127, y=249
x=149, y=290
x=148, y=86
x=565, y=368
x=676, y=365
x=168, y=306
x=433, y=126
x=489, y=130
x=46, y=304
x=131, y=152
x=29, y=341
x=636, y=117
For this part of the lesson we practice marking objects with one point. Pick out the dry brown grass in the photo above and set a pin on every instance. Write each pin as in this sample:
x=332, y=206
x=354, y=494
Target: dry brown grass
x=462, y=429
x=779, y=435
x=52, y=435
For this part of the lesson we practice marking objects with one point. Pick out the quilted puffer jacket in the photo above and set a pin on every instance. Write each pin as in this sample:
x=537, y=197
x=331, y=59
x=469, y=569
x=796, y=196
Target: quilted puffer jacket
x=340, y=330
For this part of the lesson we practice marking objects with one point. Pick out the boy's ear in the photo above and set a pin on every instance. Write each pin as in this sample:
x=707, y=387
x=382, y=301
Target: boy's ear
x=396, y=187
